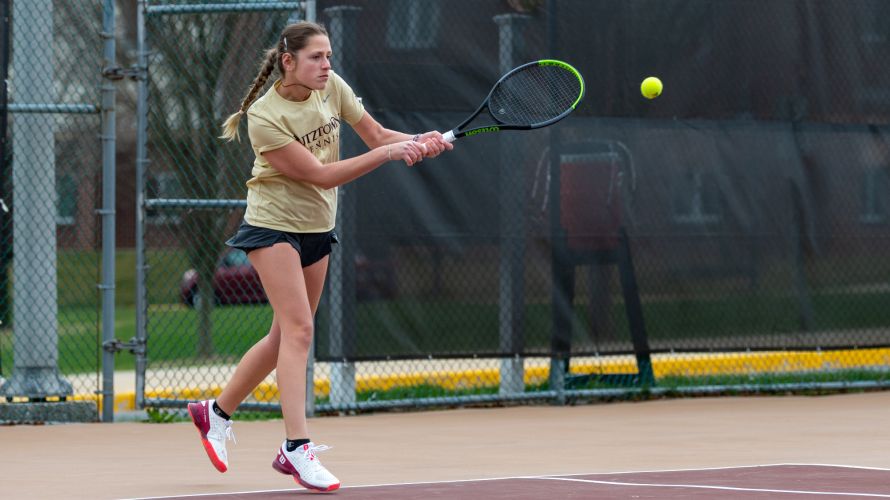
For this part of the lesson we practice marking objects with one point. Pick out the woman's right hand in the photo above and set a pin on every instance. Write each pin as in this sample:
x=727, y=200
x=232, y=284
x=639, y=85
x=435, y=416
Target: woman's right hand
x=408, y=151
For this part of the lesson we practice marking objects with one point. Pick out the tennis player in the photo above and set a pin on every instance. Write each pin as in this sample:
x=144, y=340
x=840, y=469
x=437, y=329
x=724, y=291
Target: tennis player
x=288, y=228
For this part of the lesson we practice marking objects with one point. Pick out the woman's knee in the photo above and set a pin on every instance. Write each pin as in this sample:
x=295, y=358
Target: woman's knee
x=299, y=333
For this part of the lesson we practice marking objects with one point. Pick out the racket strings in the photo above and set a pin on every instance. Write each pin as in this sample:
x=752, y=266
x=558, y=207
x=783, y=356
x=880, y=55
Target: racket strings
x=534, y=95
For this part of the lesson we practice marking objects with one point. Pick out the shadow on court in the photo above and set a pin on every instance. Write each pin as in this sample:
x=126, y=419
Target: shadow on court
x=768, y=481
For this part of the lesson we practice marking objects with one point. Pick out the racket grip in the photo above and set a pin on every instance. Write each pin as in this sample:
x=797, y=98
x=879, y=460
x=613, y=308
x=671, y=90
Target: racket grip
x=449, y=136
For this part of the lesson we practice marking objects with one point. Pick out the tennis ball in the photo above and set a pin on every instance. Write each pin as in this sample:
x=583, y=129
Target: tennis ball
x=651, y=87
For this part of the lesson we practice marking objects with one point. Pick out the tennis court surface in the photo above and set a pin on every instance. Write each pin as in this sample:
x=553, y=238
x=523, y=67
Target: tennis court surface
x=733, y=447
x=767, y=481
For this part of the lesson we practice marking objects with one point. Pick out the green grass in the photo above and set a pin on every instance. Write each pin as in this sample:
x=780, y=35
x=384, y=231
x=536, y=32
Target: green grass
x=397, y=326
x=79, y=271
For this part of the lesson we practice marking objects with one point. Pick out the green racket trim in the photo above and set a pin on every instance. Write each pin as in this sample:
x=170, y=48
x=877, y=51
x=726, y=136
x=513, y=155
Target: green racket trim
x=569, y=67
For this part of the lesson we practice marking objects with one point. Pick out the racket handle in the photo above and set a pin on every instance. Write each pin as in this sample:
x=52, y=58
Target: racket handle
x=449, y=136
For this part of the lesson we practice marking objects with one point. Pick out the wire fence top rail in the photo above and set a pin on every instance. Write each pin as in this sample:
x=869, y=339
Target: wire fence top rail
x=194, y=203
x=196, y=8
x=54, y=108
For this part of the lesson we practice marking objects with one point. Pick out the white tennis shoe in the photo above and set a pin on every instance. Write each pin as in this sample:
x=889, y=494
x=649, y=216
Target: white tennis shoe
x=304, y=466
x=214, y=431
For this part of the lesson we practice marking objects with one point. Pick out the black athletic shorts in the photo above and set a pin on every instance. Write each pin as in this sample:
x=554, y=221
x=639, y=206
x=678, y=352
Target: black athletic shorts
x=312, y=246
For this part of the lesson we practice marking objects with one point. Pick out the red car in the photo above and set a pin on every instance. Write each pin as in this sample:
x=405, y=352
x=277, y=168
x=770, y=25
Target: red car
x=237, y=282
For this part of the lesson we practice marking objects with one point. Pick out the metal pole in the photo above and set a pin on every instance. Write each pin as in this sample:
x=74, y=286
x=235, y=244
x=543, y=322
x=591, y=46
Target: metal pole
x=141, y=166
x=341, y=281
x=107, y=214
x=5, y=242
x=511, y=304
x=219, y=7
x=35, y=308
x=561, y=274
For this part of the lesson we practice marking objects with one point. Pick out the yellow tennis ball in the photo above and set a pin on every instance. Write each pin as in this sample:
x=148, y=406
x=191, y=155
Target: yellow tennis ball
x=651, y=87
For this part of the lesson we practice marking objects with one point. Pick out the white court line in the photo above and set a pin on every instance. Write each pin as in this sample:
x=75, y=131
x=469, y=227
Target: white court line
x=564, y=477
x=841, y=466
x=198, y=495
x=692, y=469
x=730, y=488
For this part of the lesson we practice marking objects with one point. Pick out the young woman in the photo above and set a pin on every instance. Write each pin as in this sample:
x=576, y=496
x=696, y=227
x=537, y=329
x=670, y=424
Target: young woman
x=287, y=231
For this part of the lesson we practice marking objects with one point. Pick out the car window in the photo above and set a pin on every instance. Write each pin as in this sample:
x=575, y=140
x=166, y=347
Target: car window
x=236, y=258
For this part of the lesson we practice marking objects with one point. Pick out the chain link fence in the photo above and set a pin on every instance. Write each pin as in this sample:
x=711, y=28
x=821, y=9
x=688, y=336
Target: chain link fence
x=709, y=237
x=729, y=235
x=49, y=180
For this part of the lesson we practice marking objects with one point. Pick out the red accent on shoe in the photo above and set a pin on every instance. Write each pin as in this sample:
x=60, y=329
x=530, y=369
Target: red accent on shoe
x=200, y=417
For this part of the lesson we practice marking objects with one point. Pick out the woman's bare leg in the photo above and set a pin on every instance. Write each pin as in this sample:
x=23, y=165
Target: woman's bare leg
x=262, y=358
x=286, y=287
x=256, y=364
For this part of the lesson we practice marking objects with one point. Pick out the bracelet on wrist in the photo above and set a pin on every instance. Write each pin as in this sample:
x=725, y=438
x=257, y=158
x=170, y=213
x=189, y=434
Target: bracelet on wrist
x=389, y=153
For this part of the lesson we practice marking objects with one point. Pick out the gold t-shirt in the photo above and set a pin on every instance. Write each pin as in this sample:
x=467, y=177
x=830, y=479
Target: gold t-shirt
x=274, y=200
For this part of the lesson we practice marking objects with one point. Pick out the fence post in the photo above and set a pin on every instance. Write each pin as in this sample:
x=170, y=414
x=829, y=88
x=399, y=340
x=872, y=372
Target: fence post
x=5, y=226
x=141, y=299
x=511, y=308
x=108, y=213
x=342, y=296
x=35, y=331
x=308, y=14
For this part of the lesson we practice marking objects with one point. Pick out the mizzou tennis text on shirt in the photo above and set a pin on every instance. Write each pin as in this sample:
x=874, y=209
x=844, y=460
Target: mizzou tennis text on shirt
x=321, y=137
x=274, y=200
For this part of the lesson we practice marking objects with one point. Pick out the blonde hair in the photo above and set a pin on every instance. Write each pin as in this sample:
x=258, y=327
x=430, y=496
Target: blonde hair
x=293, y=38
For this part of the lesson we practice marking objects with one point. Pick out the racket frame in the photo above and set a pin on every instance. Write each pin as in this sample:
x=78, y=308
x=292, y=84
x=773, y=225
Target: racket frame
x=456, y=133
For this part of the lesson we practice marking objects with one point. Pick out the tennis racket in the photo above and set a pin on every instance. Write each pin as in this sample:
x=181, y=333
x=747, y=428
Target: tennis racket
x=534, y=95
